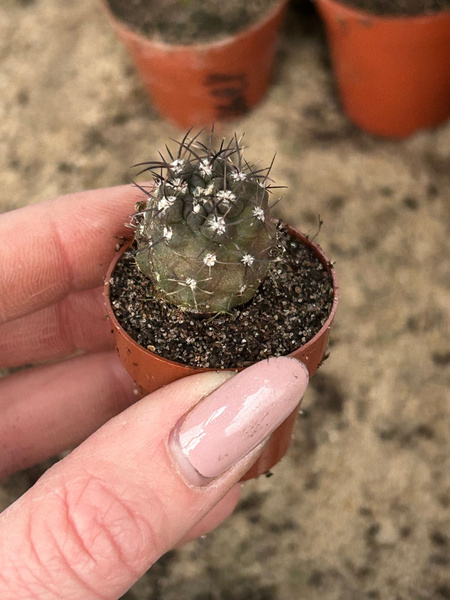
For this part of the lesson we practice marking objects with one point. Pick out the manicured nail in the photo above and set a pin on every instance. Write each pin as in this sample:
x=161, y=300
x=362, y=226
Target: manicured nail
x=238, y=416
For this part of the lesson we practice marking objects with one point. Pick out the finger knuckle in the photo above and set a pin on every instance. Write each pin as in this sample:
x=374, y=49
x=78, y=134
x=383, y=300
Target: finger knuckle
x=104, y=527
x=97, y=540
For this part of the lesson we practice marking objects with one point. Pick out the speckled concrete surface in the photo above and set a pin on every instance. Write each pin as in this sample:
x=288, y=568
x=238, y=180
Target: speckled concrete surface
x=360, y=508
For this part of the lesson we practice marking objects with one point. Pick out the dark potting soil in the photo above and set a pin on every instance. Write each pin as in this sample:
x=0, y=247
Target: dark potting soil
x=400, y=7
x=291, y=306
x=189, y=21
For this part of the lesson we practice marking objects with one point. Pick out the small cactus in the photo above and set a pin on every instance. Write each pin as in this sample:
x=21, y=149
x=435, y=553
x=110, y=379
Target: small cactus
x=205, y=235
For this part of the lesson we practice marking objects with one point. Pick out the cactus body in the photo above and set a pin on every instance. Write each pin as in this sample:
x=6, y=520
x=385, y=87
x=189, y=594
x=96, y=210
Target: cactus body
x=205, y=235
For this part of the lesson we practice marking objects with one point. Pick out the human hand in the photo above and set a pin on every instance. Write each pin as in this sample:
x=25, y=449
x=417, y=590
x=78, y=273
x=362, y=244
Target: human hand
x=160, y=472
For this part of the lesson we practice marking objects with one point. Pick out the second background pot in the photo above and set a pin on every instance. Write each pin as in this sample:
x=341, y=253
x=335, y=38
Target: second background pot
x=393, y=72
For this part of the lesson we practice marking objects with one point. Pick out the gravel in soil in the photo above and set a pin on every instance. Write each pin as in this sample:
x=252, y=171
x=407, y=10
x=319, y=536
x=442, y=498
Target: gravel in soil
x=290, y=307
x=189, y=21
x=400, y=7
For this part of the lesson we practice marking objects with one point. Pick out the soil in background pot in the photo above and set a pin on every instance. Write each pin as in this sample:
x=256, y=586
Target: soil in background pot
x=399, y=7
x=291, y=306
x=189, y=21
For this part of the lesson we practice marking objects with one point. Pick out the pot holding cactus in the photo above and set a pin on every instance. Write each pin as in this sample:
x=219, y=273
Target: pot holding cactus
x=201, y=62
x=213, y=281
x=391, y=62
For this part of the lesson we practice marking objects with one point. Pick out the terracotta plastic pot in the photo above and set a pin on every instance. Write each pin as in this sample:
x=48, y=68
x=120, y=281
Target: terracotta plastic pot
x=151, y=371
x=197, y=85
x=393, y=72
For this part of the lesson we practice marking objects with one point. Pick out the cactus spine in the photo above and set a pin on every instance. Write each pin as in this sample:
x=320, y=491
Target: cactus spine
x=205, y=235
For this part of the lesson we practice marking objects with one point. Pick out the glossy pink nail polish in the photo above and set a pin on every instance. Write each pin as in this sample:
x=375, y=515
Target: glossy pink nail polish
x=240, y=415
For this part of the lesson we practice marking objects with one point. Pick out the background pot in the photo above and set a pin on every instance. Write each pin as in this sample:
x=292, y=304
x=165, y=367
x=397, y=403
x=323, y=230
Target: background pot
x=151, y=371
x=197, y=85
x=393, y=72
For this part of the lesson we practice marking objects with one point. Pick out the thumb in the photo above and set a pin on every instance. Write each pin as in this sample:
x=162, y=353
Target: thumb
x=97, y=520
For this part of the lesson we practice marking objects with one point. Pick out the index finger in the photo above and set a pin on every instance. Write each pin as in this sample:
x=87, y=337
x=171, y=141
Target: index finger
x=59, y=246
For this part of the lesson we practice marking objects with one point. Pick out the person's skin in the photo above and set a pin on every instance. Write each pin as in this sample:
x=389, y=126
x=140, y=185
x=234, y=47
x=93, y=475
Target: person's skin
x=144, y=477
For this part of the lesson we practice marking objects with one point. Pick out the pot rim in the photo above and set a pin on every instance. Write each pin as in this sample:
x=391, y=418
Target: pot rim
x=365, y=15
x=292, y=230
x=202, y=46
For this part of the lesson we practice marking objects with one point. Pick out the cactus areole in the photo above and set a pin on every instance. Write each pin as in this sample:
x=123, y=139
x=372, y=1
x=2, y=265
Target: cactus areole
x=204, y=234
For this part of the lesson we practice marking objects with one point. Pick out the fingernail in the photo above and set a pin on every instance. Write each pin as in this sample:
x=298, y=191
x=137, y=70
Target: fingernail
x=238, y=416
